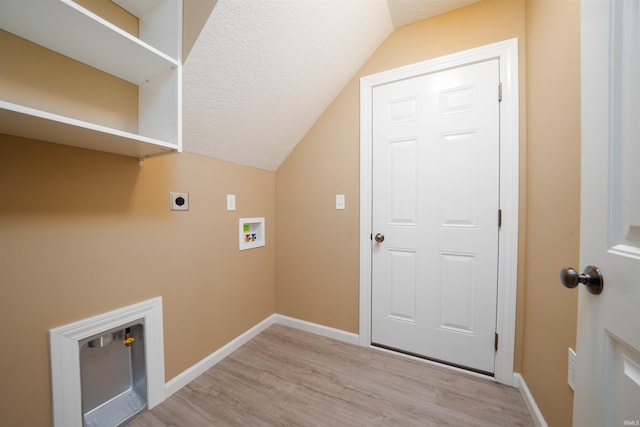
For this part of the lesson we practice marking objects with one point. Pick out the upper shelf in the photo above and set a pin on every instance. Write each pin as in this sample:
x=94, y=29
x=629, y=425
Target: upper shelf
x=138, y=8
x=28, y=122
x=92, y=41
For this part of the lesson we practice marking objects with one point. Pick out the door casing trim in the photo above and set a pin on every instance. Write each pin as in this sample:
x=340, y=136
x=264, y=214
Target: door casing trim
x=507, y=53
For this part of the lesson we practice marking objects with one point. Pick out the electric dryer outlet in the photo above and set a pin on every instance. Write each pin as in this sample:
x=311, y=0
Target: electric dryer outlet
x=179, y=201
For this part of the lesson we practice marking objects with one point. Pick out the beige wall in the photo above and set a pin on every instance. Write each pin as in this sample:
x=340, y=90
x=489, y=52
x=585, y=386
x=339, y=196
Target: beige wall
x=317, y=272
x=553, y=201
x=84, y=232
x=317, y=255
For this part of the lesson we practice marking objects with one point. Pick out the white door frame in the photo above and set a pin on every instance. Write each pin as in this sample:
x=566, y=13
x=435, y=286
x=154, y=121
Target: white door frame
x=507, y=53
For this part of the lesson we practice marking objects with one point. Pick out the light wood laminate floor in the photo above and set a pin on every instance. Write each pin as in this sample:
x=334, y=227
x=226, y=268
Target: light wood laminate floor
x=287, y=377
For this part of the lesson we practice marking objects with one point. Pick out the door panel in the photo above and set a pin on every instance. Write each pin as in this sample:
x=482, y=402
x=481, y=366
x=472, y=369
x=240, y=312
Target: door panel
x=435, y=199
x=402, y=285
x=402, y=182
x=608, y=343
x=457, y=292
x=460, y=176
x=625, y=383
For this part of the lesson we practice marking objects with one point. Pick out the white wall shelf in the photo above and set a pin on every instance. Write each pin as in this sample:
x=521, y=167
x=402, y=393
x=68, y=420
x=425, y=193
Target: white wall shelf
x=90, y=40
x=152, y=62
x=35, y=124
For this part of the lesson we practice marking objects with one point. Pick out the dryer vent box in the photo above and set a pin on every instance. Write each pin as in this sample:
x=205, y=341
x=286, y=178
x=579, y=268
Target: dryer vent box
x=113, y=375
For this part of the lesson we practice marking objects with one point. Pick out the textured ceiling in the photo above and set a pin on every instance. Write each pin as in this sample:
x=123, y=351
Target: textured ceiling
x=261, y=72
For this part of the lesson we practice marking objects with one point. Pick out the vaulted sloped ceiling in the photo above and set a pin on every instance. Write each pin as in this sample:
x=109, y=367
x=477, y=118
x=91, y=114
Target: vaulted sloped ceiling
x=261, y=72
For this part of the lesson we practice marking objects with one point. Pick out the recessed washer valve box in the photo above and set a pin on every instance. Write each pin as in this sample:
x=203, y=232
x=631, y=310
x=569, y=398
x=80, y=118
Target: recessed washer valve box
x=251, y=233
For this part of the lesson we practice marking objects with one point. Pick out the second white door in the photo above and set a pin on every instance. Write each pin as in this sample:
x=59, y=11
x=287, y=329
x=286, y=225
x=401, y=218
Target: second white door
x=436, y=168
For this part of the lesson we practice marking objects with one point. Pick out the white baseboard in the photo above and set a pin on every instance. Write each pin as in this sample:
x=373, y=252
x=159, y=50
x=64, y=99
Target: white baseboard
x=190, y=374
x=534, y=411
x=314, y=328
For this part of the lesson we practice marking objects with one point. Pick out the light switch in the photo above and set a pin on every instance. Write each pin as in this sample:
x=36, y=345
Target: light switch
x=231, y=202
x=339, y=201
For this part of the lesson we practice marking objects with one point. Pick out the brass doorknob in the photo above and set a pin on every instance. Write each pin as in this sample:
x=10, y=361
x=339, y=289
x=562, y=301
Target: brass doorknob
x=379, y=238
x=591, y=278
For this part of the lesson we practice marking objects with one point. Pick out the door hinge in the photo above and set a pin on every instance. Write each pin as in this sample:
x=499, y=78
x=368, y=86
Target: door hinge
x=500, y=92
x=499, y=218
x=496, y=342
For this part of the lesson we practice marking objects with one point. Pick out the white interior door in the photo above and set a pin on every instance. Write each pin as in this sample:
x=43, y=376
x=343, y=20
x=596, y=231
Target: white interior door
x=608, y=347
x=435, y=200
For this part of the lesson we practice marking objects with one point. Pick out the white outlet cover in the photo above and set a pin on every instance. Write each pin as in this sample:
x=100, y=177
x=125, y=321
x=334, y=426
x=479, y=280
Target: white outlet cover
x=340, y=203
x=178, y=201
x=572, y=369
